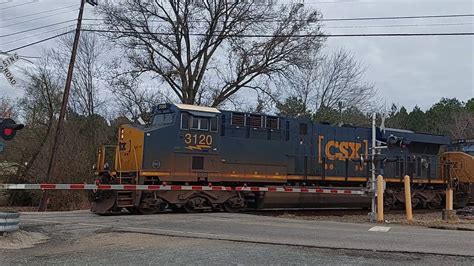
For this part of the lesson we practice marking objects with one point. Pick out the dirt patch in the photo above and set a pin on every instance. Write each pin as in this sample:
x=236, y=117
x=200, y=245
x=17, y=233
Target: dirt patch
x=22, y=239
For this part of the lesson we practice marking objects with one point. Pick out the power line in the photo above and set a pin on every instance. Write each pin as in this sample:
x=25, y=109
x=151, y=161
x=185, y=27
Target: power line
x=40, y=41
x=345, y=19
x=35, y=19
x=23, y=4
x=36, y=35
x=264, y=35
x=39, y=13
x=398, y=26
x=374, y=26
x=42, y=27
x=296, y=36
x=400, y=17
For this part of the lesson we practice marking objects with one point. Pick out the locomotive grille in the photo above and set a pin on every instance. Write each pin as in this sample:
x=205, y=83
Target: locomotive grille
x=238, y=119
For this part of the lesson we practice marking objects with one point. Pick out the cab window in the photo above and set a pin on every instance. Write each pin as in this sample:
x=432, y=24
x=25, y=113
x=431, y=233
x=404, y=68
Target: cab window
x=189, y=121
x=200, y=123
x=214, y=124
x=163, y=119
x=185, y=120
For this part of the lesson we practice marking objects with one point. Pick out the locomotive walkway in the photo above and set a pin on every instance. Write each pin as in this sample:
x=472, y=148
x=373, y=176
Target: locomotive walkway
x=249, y=228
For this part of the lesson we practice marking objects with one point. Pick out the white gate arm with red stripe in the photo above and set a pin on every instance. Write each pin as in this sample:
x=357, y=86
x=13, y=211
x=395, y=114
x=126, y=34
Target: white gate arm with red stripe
x=319, y=190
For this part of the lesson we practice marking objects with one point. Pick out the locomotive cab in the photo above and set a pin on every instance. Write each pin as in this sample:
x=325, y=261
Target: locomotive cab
x=182, y=143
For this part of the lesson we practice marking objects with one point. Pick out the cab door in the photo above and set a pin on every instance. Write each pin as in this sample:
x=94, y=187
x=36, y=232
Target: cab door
x=303, y=149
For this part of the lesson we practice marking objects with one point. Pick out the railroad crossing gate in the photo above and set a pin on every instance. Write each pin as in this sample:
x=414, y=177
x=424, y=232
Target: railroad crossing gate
x=318, y=190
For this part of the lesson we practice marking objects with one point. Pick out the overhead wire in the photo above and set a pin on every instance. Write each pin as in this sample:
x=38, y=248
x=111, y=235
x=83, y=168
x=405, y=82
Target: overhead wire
x=329, y=19
x=370, y=26
x=40, y=41
x=36, y=19
x=38, y=34
x=399, y=25
x=264, y=35
x=22, y=4
x=37, y=28
x=346, y=19
x=38, y=13
x=294, y=36
x=400, y=17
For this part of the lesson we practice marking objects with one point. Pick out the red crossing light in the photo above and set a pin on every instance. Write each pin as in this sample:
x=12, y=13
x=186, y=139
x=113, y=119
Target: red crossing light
x=7, y=131
x=8, y=128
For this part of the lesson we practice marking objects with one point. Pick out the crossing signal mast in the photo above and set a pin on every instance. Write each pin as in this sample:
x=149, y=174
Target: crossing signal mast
x=8, y=128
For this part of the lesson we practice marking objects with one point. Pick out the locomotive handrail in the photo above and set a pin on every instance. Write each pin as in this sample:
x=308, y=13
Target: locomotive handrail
x=117, y=154
x=136, y=161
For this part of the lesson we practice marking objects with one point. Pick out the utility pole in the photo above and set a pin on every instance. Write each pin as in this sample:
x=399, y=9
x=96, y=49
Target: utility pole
x=373, y=210
x=62, y=113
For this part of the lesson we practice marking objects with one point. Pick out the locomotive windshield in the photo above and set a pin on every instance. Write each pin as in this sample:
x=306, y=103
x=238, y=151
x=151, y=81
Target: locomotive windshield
x=163, y=119
x=469, y=149
x=466, y=146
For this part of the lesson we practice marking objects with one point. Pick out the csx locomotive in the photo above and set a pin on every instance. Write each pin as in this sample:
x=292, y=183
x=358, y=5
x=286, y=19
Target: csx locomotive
x=190, y=145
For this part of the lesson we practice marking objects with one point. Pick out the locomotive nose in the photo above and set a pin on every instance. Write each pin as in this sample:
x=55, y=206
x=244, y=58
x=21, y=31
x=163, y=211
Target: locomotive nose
x=130, y=148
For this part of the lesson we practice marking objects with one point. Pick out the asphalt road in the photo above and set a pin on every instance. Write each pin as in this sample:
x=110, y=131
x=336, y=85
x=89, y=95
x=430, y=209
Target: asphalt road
x=223, y=238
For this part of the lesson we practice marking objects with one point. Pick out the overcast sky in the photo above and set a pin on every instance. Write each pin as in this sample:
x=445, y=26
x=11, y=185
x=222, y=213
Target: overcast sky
x=407, y=71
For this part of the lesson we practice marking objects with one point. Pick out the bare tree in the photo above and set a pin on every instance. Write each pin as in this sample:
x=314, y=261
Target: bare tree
x=132, y=99
x=89, y=74
x=6, y=108
x=330, y=81
x=207, y=51
x=39, y=108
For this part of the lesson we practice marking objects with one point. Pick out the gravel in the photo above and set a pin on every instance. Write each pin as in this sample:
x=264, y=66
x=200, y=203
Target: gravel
x=22, y=239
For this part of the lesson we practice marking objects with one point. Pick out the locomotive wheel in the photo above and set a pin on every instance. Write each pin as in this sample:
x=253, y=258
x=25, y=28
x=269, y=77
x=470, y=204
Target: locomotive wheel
x=434, y=203
x=150, y=204
x=389, y=201
x=132, y=210
x=177, y=209
x=196, y=204
x=148, y=211
x=416, y=202
x=233, y=205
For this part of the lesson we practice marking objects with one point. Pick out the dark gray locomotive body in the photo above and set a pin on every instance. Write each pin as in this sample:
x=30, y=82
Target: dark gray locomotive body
x=188, y=144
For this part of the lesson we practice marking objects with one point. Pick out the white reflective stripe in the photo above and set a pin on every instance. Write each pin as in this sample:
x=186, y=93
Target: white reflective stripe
x=17, y=186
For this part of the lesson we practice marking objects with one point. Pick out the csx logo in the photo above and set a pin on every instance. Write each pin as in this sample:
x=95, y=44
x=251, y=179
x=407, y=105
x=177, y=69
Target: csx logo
x=342, y=150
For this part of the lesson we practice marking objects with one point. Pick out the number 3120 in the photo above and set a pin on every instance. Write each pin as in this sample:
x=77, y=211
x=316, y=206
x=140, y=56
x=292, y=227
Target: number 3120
x=198, y=139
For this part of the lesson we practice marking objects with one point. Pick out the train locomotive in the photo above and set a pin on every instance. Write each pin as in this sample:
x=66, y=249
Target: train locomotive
x=194, y=145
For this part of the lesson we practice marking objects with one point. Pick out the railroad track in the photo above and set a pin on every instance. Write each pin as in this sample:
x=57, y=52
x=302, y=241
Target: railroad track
x=347, y=215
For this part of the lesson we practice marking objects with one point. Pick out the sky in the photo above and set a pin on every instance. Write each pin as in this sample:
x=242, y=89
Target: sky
x=407, y=71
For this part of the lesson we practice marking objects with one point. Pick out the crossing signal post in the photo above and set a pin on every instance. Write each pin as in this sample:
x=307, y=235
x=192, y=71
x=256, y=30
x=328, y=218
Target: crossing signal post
x=8, y=128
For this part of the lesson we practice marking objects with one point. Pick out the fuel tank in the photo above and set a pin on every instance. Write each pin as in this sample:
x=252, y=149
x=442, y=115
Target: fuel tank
x=309, y=200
